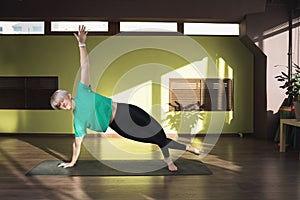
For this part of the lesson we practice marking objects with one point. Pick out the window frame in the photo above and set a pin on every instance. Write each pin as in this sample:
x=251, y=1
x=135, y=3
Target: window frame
x=114, y=27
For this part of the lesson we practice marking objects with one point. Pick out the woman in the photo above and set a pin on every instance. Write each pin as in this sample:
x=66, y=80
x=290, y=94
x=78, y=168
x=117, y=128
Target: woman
x=96, y=112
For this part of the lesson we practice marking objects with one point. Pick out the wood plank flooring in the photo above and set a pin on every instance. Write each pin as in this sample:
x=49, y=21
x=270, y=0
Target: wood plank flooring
x=243, y=168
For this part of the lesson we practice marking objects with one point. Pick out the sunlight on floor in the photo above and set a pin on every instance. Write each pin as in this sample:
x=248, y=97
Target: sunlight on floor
x=11, y=160
x=58, y=154
x=218, y=162
x=147, y=197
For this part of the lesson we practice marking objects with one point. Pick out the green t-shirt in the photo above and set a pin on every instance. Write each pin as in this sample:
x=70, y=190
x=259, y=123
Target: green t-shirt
x=92, y=111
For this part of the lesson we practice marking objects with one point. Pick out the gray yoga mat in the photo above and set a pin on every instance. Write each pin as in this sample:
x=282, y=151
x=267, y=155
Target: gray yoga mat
x=120, y=168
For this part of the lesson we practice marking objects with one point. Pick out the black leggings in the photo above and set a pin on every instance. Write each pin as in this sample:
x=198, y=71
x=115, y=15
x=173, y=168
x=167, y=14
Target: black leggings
x=134, y=123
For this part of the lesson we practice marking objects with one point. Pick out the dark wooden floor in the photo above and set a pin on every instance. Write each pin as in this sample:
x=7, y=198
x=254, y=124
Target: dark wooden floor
x=243, y=169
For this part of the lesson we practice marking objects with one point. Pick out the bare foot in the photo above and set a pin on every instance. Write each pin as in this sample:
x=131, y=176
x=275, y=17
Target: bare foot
x=194, y=150
x=171, y=166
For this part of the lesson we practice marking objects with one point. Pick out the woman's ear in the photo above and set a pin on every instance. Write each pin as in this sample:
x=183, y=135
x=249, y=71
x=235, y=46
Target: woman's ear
x=70, y=96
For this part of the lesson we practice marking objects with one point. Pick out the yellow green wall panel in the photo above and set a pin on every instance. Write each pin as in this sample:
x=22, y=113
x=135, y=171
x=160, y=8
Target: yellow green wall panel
x=143, y=67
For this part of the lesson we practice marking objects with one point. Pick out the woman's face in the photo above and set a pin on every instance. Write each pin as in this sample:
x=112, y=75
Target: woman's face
x=66, y=103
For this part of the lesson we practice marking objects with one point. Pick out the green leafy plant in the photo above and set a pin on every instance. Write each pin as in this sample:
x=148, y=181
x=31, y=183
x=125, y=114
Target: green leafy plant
x=291, y=85
x=183, y=121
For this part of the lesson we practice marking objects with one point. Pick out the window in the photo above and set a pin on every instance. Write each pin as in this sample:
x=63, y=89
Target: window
x=17, y=29
x=211, y=29
x=71, y=26
x=37, y=29
x=24, y=27
x=114, y=27
x=148, y=26
x=27, y=92
x=201, y=94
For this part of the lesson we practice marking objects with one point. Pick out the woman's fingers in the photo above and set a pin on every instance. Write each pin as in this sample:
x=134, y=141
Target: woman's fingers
x=61, y=165
x=81, y=35
x=65, y=165
x=76, y=36
x=81, y=28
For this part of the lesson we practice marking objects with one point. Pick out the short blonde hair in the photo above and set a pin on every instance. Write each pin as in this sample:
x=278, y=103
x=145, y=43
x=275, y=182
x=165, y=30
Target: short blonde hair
x=57, y=97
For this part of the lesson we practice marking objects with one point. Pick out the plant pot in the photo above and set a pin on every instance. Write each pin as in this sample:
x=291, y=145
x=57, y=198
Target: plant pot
x=297, y=110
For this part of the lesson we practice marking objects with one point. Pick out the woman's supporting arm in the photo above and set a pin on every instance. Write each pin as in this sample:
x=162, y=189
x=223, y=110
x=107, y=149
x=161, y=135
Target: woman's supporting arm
x=76, y=151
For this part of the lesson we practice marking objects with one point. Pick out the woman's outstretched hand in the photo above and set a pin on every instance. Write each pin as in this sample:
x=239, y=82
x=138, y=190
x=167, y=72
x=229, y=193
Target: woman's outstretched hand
x=65, y=165
x=81, y=35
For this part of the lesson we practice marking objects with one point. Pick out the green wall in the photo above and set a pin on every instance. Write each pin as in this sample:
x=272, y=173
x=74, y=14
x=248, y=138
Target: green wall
x=58, y=56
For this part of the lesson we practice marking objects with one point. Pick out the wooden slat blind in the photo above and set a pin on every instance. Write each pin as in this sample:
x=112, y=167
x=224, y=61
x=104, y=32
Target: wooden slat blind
x=201, y=94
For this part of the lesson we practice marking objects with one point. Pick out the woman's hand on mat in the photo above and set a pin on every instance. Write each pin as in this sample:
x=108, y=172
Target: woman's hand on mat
x=65, y=165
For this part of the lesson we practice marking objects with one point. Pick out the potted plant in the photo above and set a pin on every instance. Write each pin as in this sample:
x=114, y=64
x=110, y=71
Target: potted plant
x=292, y=87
